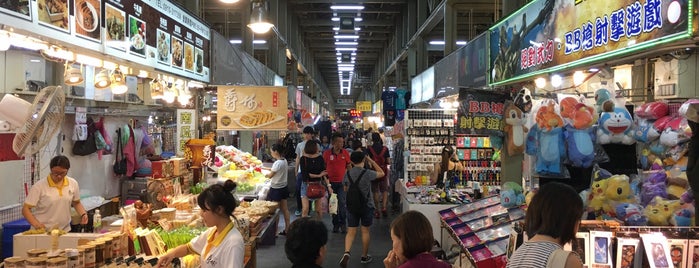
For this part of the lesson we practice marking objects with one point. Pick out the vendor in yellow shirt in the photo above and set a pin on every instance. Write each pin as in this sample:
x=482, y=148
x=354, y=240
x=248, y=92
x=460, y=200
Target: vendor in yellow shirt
x=52, y=198
x=222, y=244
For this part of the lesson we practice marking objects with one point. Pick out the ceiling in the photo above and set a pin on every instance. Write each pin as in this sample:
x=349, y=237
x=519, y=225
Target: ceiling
x=375, y=32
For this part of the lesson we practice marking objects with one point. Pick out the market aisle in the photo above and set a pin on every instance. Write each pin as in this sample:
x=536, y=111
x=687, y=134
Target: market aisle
x=274, y=256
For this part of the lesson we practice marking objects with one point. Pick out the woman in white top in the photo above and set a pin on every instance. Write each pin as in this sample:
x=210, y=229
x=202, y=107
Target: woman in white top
x=52, y=198
x=279, y=191
x=221, y=245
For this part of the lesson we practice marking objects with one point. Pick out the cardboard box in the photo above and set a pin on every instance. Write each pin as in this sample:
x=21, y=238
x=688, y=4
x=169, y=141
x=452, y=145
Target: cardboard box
x=179, y=166
x=162, y=168
x=21, y=243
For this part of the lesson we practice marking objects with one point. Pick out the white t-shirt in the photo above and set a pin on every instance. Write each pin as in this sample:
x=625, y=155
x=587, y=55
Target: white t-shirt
x=279, y=180
x=51, y=205
x=225, y=252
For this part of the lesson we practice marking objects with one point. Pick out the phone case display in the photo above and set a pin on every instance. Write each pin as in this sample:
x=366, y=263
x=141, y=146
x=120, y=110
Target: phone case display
x=476, y=155
x=693, y=254
x=600, y=249
x=678, y=252
x=657, y=249
x=428, y=131
x=483, y=229
x=629, y=254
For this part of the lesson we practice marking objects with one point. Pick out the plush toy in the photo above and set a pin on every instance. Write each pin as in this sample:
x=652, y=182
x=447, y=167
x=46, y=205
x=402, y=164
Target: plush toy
x=510, y=198
x=660, y=211
x=618, y=191
x=675, y=132
x=645, y=131
x=546, y=141
x=631, y=214
x=655, y=110
x=597, y=198
x=682, y=217
x=603, y=100
x=615, y=127
x=523, y=100
x=676, y=187
x=567, y=106
x=690, y=110
x=515, y=129
x=529, y=196
x=654, y=186
x=580, y=137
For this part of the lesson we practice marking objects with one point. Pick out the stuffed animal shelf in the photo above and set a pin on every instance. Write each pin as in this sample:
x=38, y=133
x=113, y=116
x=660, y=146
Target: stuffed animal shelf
x=615, y=127
x=545, y=140
x=515, y=129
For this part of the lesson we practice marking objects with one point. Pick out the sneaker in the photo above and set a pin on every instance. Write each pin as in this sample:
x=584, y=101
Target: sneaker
x=336, y=229
x=297, y=213
x=283, y=233
x=344, y=260
x=367, y=259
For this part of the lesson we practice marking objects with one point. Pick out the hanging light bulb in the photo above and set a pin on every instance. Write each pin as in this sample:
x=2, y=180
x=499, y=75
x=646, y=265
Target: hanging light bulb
x=229, y=1
x=4, y=41
x=556, y=80
x=258, y=21
x=102, y=80
x=540, y=82
x=72, y=76
x=118, y=85
x=578, y=78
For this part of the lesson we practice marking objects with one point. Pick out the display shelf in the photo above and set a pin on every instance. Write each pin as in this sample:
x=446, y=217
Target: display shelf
x=428, y=131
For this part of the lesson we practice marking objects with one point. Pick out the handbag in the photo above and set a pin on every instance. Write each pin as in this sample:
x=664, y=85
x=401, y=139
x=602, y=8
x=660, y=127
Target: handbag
x=315, y=190
x=119, y=160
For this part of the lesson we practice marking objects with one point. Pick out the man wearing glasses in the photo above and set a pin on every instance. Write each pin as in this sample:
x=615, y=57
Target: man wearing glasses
x=52, y=198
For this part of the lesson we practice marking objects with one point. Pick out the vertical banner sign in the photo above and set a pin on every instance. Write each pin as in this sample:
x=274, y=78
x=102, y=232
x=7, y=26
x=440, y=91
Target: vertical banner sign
x=252, y=108
x=363, y=106
x=185, y=128
x=480, y=112
x=566, y=33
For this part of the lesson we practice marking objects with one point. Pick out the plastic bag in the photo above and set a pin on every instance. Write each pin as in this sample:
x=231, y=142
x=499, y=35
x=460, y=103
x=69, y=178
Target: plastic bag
x=333, y=204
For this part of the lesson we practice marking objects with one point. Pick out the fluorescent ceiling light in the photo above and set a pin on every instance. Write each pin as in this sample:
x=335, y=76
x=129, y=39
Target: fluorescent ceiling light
x=347, y=7
x=339, y=61
x=338, y=54
x=437, y=43
x=355, y=28
x=358, y=19
x=346, y=43
x=238, y=41
x=346, y=49
x=345, y=68
x=335, y=19
x=461, y=43
x=259, y=41
x=346, y=36
x=345, y=65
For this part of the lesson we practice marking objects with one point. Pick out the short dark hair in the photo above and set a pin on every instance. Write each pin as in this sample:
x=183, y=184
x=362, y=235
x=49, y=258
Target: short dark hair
x=356, y=144
x=219, y=195
x=303, y=241
x=555, y=210
x=60, y=161
x=337, y=136
x=311, y=147
x=309, y=130
x=376, y=138
x=415, y=233
x=278, y=148
x=357, y=157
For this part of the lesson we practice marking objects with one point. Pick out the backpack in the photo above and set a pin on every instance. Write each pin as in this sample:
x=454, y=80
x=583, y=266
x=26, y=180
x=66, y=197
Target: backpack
x=356, y=200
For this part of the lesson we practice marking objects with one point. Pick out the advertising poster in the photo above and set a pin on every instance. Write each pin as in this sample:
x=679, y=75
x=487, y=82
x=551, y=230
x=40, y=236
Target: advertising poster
x=177, y=52
x=163, y=45
x=559, y=33
x=87, y=16
x=251, y=107
x=137, y=36
x=19, y=8
x=54, y=13
x=115, y=25
x=189, y=57
x=480, y=112
x=473, y=62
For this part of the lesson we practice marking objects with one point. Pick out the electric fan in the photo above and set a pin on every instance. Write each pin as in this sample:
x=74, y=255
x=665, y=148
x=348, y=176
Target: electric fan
x=36, y=123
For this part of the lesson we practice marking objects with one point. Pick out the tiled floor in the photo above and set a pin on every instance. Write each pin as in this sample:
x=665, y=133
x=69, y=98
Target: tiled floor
x=273, y=256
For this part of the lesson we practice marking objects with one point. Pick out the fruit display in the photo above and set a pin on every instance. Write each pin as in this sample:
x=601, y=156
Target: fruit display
x=238, y=166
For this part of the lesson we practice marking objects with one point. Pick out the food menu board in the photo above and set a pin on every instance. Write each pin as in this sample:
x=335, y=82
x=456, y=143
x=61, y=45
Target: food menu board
x=252, y=108
x=155, y=33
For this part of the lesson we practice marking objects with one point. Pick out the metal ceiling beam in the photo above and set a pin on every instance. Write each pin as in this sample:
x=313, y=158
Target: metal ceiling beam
x=303, y=2
x=363, y=23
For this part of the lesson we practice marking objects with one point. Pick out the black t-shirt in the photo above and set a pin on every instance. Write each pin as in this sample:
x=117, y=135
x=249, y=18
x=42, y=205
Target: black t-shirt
x=309, y=165
x=389, y=100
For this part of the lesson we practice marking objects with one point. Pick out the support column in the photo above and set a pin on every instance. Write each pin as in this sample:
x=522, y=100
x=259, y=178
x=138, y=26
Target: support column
x=450, y=28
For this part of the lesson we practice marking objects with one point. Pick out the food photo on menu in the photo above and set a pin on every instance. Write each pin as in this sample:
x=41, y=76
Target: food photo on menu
x=177, y=52
x=87, y=18
x=163, y=44
x=137, y=33
x=54, y=13
x=21, y=7
x=115, y=25
x=189, y=57
x=199, y=60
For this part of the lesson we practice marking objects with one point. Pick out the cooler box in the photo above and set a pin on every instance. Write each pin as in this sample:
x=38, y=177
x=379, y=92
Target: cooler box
x=9, y=229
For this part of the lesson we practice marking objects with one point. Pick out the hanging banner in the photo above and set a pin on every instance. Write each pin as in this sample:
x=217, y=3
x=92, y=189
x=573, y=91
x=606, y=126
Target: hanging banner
x=472, y=62
x=252, y=107
x=550, y=35
x=185, y=128
x=480, y=112
x=363, y=106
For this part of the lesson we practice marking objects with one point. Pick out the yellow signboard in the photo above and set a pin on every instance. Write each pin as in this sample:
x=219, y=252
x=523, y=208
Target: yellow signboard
x=252, y=107
x=364, y=106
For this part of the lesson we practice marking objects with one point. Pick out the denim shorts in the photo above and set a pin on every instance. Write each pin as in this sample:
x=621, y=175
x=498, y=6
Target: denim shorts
x=304, y=186
x=366, y=219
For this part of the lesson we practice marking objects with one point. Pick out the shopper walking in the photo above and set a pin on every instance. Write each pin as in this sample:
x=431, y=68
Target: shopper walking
x=279, y=190
x=552, y=221
x=51, y=199
x=305, y=244
x=338, y=161
x=308, y=133
x=221, y=245
x=379, y=187
x=313, y=170
x=412, y=238
x=360, y=210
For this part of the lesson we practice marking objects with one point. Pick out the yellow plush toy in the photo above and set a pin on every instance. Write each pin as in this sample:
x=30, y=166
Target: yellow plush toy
x=618, y=191
x=597, y=196
x=659, y=211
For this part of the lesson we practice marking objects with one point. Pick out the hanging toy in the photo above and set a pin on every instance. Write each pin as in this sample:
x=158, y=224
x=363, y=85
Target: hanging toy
x=615, y=127
x=580, y=136
x=546, y=141
x=515, y=129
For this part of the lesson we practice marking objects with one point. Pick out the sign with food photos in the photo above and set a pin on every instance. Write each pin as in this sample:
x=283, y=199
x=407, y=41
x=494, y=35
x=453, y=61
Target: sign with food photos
x=186, y=128
x=480, y=112
x=153, y=33
x=251, y=108
x=547, y=35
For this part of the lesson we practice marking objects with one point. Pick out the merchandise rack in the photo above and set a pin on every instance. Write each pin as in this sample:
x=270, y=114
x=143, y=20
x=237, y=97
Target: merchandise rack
x=427, y=132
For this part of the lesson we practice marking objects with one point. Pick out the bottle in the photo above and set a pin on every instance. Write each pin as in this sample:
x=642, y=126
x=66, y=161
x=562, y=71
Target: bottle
x=97, y=221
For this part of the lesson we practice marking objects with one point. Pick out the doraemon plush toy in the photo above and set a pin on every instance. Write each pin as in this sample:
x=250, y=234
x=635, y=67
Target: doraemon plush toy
x=615, y=127
x=546, y=141
x=515, y=129
x=580, y=136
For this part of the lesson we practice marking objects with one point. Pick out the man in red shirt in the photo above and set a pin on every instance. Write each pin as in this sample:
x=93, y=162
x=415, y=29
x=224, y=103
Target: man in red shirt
x=337, y=161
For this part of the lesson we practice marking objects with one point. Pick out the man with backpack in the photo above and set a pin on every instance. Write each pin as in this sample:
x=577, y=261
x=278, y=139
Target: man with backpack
x=360, y=207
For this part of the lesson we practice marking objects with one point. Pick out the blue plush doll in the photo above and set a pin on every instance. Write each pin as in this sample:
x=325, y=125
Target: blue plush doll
x=615, y=127
x=580, y=136
x=631, y=214
x=546, y=141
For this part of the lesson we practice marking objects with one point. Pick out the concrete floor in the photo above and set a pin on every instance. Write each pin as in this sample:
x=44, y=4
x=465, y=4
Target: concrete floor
x=274, y=256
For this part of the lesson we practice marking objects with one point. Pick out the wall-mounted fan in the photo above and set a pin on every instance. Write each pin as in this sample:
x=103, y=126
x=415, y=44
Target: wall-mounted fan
x=35, y=123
